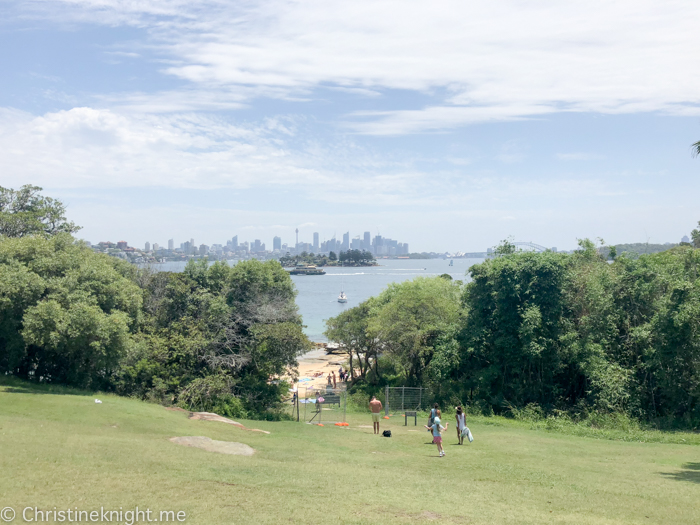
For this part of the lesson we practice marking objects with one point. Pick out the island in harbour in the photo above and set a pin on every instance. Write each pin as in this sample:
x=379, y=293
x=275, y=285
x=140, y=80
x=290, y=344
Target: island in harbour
x=347, y=258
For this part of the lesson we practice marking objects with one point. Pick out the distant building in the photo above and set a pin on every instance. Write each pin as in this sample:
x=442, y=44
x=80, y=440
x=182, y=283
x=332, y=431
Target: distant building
x=171, y=244
x=276, y=243
x=122, y=245
x=147, y=246
x=378, y=245
x=234, y=242
x=685, y=239
x=156, y=247
x=356, y=244
x=256, y=246
x=203, y=249
x=367, y=242
x=346, y=242
x=316, y=245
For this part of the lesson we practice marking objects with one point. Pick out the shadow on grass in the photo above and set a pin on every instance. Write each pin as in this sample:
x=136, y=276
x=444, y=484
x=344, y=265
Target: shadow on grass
x=690, y=472
x=12, y=385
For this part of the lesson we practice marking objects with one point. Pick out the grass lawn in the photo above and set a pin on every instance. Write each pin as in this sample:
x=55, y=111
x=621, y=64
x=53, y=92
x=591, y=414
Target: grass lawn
x=62, y=450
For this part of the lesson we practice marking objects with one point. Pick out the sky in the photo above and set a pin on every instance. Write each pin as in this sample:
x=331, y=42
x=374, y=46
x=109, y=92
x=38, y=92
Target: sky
x=449, y=125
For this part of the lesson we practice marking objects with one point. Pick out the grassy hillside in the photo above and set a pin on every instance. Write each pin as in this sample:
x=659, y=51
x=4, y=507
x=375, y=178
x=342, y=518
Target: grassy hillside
x=60, y=449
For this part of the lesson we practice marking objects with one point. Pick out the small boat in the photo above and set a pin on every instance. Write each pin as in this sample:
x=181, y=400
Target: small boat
x=342, y=298
x=452, y=263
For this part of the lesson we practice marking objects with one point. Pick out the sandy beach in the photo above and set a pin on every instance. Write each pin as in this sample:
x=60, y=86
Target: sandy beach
x=315, y=366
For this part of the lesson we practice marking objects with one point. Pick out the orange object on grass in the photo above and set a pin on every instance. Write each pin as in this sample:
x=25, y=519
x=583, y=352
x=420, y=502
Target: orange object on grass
x=321, y=425
x=386, y=417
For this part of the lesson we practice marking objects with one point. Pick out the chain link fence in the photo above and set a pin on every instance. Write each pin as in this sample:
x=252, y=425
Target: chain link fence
x=316, y=405
x=402, y=398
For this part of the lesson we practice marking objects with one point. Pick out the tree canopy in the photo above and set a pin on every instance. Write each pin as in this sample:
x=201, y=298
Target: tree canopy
x=213, y=337
x=26, y=212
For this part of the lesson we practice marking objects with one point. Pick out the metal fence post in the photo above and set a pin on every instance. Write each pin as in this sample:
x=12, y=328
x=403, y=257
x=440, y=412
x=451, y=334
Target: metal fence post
x=403, y=395
x=386, y=398
x=420, y=397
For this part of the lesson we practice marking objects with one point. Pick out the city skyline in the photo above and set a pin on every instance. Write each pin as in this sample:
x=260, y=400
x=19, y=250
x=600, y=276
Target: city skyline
x=364, y=242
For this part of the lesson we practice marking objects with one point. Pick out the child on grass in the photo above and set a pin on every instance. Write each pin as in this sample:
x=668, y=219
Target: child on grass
x=437, y=430
x=461, y=424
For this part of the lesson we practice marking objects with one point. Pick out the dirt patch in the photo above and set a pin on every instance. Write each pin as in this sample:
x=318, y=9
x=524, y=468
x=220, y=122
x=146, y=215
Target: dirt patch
x=211, y=445
x=176, y=409
x=210, y=416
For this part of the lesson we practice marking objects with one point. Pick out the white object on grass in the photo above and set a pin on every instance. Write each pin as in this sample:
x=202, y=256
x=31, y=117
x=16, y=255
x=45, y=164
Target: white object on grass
x=98, y=401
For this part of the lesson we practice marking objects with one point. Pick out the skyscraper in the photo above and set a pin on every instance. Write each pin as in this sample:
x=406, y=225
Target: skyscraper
x=171, y=244
x=367, y=243
x=147, y=246
x=316, y=245
x=346, y=242
x=234, y=242
x=276, y=243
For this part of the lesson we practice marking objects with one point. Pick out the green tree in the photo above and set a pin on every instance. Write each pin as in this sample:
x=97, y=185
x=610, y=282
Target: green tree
x=696, y=148
x=413, y=320
x=26, y=212
x=695, y=236
x=217, y=336
x=350, y=331
x=68, y=314
x=511, y=349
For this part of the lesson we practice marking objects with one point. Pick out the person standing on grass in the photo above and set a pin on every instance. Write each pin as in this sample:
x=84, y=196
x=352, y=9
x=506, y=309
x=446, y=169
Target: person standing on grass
x=433, y=414
x=461, y=424
x=333, y=379
x=375, y=406
x=437, y=433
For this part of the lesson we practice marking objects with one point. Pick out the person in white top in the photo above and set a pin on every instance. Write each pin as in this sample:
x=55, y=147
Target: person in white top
x=461, y=424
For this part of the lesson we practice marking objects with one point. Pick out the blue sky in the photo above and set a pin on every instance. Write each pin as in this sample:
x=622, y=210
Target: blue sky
x=447, y=125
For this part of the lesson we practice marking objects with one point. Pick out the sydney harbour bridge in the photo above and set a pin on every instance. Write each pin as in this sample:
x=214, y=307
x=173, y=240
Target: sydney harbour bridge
x=526, y=246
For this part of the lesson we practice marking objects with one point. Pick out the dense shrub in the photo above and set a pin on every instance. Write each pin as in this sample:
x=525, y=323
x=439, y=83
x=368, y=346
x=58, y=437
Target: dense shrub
x=211, y=338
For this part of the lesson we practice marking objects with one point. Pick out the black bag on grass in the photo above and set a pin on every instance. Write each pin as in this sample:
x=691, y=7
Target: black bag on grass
x=386, y=433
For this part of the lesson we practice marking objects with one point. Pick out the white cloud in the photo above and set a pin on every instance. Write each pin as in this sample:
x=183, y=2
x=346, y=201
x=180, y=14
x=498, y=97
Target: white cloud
x=495, y=60
x=87, y=147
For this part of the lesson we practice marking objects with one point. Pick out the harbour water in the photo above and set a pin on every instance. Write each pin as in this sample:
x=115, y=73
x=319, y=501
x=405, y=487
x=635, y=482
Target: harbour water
x=318, y=294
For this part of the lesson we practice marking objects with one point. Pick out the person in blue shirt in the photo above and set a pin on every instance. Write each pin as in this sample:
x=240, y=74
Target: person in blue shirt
x=437, y=429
